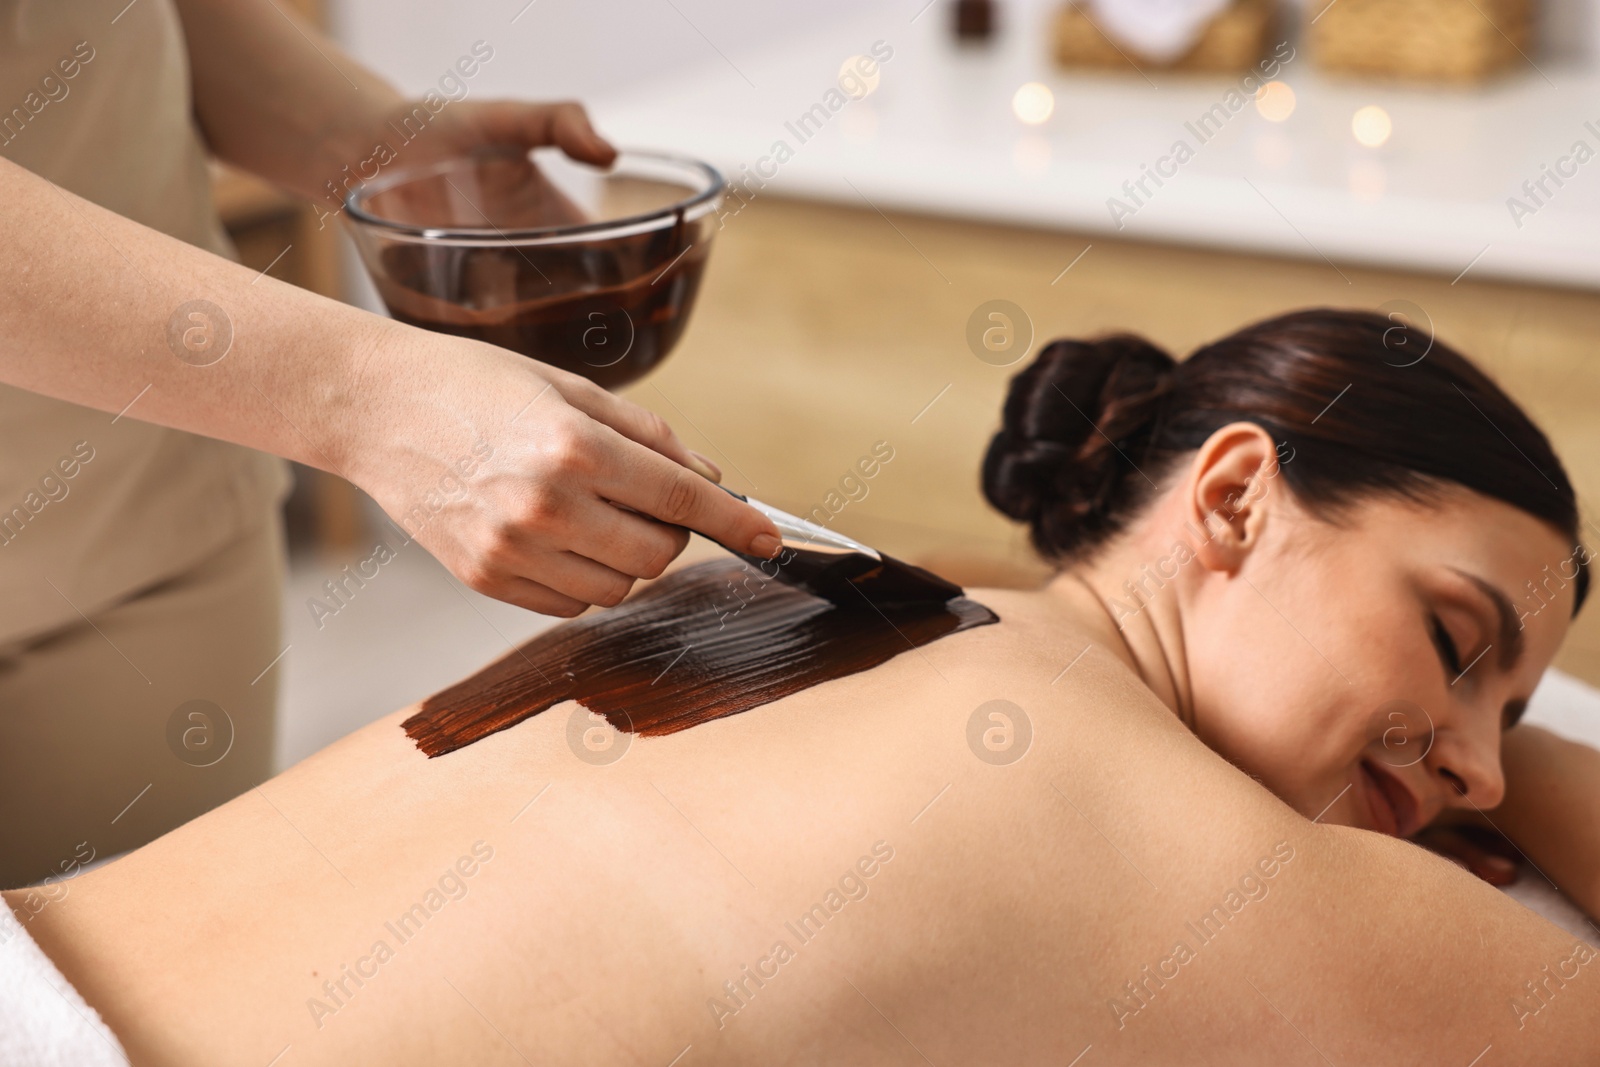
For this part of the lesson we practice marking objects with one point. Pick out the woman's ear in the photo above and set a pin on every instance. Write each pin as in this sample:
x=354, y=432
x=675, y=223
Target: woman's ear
x=1226, y=494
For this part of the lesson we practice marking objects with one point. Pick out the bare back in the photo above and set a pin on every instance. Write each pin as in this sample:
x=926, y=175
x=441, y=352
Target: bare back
x=884, y=868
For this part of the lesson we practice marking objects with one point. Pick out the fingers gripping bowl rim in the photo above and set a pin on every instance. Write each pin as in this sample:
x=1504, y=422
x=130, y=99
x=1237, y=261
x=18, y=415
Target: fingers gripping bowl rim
x=370, y=204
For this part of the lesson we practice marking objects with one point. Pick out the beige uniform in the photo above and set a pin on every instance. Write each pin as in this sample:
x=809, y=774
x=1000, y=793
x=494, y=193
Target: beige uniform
x=140, y=567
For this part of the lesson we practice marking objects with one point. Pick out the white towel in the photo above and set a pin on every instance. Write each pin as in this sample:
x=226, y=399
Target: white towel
x=43, y=1020
x=1159, y=30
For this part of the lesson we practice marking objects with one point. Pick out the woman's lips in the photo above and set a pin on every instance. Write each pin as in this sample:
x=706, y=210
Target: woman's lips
x=1393, y=808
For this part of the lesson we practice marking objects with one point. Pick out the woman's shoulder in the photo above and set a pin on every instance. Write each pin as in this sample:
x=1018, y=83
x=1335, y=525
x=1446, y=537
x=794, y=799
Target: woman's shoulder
x=1043, y=649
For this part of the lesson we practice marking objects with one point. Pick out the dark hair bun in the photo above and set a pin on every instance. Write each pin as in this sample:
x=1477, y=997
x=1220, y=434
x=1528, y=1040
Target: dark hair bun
x=1075, y=423
x=1089, y=424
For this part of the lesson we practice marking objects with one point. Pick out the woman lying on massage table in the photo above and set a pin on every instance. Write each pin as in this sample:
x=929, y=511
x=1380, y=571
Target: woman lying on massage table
x=1293, y=609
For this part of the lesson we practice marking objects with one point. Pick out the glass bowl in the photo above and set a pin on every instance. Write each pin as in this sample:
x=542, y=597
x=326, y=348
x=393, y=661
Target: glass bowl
x=593, y=271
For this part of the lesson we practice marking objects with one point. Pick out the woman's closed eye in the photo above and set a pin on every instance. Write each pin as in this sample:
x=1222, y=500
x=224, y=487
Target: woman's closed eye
x=1449, y=654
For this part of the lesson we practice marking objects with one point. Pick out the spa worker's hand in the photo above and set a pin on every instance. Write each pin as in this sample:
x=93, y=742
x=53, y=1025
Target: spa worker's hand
x=522, y=194
x=472, y=125
x=509, y=471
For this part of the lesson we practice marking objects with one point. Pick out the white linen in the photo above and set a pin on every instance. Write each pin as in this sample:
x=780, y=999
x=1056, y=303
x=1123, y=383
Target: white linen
x=43, y=1020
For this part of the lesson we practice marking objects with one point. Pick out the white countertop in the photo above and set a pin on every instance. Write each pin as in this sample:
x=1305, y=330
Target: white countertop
x=938, y=136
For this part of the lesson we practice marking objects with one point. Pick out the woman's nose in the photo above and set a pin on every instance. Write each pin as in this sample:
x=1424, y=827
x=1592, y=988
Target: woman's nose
x=1468, y=762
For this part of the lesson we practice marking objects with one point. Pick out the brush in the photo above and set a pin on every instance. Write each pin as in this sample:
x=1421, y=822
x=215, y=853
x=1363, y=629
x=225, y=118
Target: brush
x=841, y=569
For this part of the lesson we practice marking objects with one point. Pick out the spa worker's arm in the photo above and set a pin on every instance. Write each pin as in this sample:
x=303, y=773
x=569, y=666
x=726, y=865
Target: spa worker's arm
x=277, y=98
x=501, y=466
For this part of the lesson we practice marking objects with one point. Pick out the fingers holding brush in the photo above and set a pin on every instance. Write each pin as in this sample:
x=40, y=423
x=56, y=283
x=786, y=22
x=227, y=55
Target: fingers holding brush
x=664, y=479
x=530, y=484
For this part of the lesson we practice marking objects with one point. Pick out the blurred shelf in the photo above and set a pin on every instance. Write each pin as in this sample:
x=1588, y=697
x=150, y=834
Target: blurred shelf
x=939, y=136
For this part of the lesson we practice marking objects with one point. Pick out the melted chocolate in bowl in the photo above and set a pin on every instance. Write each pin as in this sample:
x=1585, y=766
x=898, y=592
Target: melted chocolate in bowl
x=525, y=256
x=609, y=310
x=709, y=641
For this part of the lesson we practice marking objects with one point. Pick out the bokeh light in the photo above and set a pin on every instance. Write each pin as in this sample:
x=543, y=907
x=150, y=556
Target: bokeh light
x=858, y=76
x=1371, y=126
x=1275, y=101
x=1034, y=103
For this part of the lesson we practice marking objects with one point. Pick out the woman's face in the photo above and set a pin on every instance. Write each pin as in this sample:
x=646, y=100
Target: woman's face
x=1364, y=672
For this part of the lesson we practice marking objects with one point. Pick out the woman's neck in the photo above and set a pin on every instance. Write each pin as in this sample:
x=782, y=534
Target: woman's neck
x=1134, y=612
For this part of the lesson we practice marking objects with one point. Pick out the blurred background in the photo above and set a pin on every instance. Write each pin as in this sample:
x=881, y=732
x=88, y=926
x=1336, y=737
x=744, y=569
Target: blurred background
x=895, y=243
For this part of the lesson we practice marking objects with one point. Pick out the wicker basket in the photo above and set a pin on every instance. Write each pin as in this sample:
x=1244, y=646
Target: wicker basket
x=1232, y=42
x=1440, y=41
